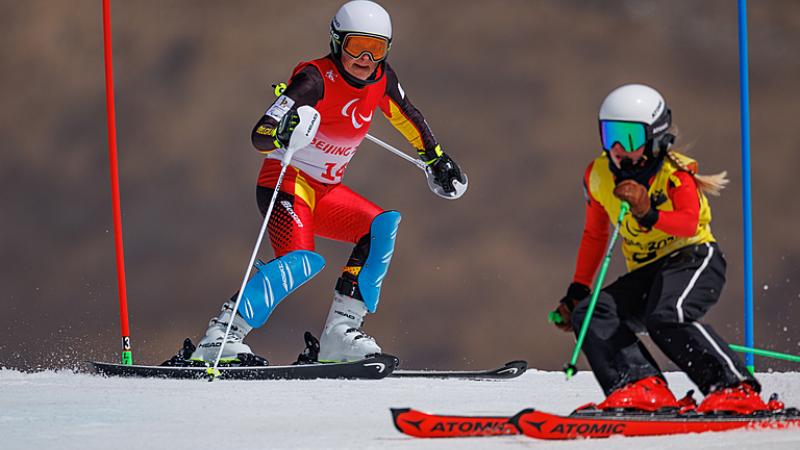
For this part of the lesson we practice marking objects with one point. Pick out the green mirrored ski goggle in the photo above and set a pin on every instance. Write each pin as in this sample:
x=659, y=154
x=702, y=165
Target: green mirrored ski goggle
x=630, y=135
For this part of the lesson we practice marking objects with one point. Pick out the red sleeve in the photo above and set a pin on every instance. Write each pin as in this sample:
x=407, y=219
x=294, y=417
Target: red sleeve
x=682, y=221
x=595, y=237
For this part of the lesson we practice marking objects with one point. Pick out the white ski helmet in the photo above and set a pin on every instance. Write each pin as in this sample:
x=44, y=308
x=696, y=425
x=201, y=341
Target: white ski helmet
x=363, y=18
x=633, y=115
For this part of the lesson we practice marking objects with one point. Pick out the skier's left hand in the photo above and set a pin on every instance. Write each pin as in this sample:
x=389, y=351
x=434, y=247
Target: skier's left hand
x=564, y=309
x=636, y=195
x=445, y=171
x=576, y=293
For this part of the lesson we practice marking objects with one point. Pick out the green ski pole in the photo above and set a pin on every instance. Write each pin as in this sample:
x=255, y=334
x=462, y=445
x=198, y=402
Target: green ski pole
x=570, y=368
x=765, y=353
x=555, y=317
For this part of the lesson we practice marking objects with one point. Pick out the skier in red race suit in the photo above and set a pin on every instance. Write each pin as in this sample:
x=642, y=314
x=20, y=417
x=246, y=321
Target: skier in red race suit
x=676, y=269
x=345, y=87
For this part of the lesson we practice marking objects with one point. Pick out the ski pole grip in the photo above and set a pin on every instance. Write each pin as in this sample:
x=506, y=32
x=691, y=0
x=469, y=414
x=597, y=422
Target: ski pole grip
x=623, y=209
x=279, y=88
x=555, y=317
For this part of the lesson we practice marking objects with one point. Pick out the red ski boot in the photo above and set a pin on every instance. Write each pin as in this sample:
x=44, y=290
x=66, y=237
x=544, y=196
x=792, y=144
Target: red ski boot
x=774, y=404
x=647, y=394
x=687, y=403
x=741, y=399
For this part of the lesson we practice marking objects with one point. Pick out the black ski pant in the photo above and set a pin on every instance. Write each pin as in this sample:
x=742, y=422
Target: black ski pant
x=665, y=298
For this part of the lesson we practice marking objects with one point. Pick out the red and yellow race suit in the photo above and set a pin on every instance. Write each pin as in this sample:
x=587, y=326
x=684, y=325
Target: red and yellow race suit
x=313, y=201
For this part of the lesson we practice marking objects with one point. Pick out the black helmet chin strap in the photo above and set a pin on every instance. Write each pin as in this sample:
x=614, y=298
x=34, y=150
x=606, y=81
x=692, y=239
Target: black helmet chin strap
x=663, y=143
x=642, y=173
x=639, y=173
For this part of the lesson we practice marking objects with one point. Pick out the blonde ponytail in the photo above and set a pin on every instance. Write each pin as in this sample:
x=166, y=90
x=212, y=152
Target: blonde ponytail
x=709, y=184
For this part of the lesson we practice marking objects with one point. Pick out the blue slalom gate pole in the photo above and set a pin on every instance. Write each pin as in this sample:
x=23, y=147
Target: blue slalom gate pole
x=747, y=209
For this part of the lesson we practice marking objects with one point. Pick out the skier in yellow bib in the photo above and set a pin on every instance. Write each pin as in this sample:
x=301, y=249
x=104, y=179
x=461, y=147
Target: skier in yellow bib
x=676, y=269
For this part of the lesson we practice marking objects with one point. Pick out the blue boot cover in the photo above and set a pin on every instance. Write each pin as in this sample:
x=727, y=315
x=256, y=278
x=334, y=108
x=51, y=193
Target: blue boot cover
x=275, y=280
x=383, y=232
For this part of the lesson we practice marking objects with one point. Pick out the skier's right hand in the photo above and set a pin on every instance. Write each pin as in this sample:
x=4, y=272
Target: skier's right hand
x=283, y=132
x=636, y=195
x=576, y=293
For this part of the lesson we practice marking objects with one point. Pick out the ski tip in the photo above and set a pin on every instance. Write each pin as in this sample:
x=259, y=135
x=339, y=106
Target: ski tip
x=419, y=424
x=106, y=369
x=95, y=367
x=512, y=369
x=518, y=363
x=395, y=359
x=396, y=413
x=514, y=420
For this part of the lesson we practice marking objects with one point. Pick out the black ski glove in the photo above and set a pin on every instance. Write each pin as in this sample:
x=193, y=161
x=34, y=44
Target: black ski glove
x=445, y=171
x=576, y=293
x=283, y=132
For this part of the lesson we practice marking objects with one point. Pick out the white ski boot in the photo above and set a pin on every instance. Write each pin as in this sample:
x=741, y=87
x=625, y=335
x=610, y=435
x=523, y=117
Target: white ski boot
x=208, y=347
x=342, y=339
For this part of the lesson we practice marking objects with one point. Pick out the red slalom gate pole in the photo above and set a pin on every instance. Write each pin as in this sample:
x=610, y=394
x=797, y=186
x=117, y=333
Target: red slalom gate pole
x=127, y=354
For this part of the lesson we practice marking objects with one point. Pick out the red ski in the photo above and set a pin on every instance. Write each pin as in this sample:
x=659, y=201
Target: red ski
x=419, y=424
x=598, y=424
x=582, y=424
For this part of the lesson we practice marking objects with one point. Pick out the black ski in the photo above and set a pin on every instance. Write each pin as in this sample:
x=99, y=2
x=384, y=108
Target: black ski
x=374, y=367
x=511, y=369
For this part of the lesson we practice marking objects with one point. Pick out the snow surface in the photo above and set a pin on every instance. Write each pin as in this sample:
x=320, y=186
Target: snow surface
x=69, y=410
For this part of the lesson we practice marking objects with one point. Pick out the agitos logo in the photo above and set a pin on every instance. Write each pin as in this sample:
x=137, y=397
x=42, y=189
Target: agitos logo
x=354, y=115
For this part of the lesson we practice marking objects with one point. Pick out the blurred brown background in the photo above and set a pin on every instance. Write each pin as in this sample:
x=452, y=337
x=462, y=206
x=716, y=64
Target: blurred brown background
x=511, y=89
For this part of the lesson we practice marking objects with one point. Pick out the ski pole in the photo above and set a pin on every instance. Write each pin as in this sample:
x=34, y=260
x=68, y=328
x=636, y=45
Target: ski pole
x=555, y=317
x=421, y=165
x=570, y=368
x=309, y=117
x=765, y=353
x=460, y=188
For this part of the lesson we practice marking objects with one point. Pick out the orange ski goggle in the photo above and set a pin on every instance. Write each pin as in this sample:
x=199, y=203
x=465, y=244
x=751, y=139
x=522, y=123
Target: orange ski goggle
x=356, y=45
